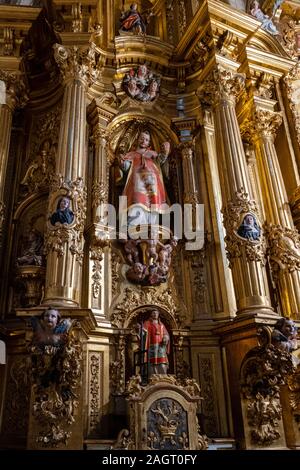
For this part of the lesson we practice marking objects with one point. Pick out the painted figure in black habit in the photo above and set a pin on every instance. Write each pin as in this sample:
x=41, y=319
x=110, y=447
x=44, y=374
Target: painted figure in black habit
x=249, y=228
x=63, y=213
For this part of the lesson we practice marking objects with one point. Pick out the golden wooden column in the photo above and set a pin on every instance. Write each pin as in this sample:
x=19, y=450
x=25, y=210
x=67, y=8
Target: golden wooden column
x=64, y=242
x=247, y=258
x=14, y=95
x=189, y=181
x=283, y=238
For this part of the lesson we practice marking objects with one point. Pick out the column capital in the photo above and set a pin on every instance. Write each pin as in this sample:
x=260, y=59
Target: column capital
x=15, y=89
x=77, y=63
x=187, y=150
x=222, y=84
x=267, y=122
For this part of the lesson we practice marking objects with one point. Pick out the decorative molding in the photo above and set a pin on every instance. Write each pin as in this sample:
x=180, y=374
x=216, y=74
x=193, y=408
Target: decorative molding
x=95, y=401
x=267, y=123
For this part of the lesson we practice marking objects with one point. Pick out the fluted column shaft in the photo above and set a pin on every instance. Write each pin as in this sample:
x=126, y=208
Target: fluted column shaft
x=246, y=257
x=189, y=181
x=283, y=239
x=64, y=241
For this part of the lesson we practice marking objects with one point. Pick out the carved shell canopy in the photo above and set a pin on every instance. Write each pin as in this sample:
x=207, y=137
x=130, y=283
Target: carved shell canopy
x=123, y=134
x=143, y=313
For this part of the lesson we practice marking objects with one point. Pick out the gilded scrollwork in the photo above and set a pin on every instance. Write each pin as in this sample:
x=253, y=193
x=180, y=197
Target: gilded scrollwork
x=264, y=369
x=235, y=213
x=293, y=383
x=283, y=246
x=56, y=379
x=117, y=367
x=96, y=255
x=292, y=81
x=267, y=123
x=77, y=63
x=94, y=391
x=133, y=298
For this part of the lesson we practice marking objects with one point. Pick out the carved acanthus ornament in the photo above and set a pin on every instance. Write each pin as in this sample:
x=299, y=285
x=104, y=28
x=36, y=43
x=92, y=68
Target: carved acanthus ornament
x=283, y=247
x=56, y=375
x=267, y=123
x=288, y=37
x=292, y=83
x=236, y=245
x=264, y=86
x=116, y=263
x=182, y=17
x=139, y=297
x=77, y=63
x=117, y=367
x=263, y=371
x=57, y=236
x=222, y=84
x=96, y=255
x=16, y=94
x=94, y=391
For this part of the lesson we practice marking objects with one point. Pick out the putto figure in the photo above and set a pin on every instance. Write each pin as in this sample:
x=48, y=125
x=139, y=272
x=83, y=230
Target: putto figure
x=63, y=213
x=49, y=329
x=141, y=84
x=134, y=22
x=284, y=335
x=249, y=228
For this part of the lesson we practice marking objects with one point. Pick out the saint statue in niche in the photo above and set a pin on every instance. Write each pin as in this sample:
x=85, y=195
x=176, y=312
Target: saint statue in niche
x=32, y=254
x=141, y=84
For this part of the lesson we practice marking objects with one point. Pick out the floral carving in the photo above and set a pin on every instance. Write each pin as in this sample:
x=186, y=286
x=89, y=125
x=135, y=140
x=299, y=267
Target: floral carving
x=117, y=367
x=293, y=383
x=77, y=63
x=267, y=122
x=94, y=390
x=97, y=256
x=16, y=95
x=222, y=83
x=134, y=298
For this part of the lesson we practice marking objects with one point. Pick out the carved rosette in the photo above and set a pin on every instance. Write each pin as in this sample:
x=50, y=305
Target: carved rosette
x=292, y=82
x=283, y=247
x=234, y=213
x=139, y=297
x=267, y=123
x=264, y=370
x=77, y=63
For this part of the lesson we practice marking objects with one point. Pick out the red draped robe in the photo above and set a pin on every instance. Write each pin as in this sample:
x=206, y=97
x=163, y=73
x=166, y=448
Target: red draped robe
x=155, y=334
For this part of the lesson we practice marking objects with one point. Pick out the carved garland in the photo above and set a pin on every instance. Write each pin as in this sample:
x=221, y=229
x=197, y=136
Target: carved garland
x=283, y=247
